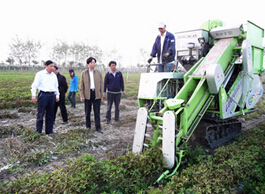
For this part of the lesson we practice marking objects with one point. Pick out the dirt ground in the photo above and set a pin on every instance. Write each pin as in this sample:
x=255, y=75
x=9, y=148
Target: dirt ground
x=117, y=136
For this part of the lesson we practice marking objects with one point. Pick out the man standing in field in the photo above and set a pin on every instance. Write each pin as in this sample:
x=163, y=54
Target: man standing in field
x=115, y=84
x=46, y=83
x=91, y=92
x=63, y=87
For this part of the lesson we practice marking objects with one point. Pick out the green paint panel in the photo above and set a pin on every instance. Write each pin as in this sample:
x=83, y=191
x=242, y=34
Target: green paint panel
x=255, y=35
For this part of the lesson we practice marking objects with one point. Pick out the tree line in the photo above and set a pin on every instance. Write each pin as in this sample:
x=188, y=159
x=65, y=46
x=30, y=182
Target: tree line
x=26, y=52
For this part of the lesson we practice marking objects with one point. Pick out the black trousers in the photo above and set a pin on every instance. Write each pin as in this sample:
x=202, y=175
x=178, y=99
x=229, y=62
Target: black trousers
x=45, y=105
x=116, y=98
x=61, y=104
x=96, y=108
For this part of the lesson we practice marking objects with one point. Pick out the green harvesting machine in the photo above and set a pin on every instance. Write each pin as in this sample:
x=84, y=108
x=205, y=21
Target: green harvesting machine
x=200, y=103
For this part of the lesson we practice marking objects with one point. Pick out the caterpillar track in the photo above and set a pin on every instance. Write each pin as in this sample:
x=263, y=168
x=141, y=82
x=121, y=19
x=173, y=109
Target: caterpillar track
x=213, y=134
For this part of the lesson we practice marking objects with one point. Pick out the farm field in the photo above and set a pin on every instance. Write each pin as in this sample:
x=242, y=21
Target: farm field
x=15, y=88
x=81, y=161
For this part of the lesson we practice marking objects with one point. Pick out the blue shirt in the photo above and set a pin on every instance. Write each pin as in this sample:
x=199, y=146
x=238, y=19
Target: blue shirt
x=113, y=83
x=74, y=84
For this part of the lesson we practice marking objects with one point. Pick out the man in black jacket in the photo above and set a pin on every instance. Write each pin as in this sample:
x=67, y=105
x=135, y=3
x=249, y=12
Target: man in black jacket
x=63, y=87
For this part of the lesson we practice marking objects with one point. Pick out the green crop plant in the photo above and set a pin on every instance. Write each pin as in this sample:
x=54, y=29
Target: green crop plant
x=125, y=174
x=235, y=168
x=15, y=88
x=39, y=158
x=10, y=131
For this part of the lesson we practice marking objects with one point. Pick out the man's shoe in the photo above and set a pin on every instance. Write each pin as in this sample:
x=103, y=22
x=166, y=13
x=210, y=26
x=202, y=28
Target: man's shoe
x=117, y=120
x=108, y=121
x=99, y=130
x=88, y=128
x=53, y=133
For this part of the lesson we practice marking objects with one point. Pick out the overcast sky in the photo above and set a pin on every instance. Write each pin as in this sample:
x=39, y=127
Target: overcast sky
x=125, y=25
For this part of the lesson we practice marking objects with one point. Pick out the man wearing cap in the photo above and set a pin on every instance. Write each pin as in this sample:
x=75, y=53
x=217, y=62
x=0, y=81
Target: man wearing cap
x=63, y=87
x=46, y=83
x=73, y=87
x=91, y=92
x=164, y=48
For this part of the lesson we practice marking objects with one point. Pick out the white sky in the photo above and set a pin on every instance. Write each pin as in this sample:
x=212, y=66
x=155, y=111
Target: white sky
x=125, y=25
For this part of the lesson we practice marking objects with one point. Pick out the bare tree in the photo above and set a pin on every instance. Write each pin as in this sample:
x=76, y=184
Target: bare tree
x=77, y=52
x=10, y=60
x=17, y=49
x=31, y=49
x=87, y=51
x=97, y=53
x=114, y=55
x=24, y=51
x=61, y=51
x=35, y=62
x=143, y=56
x=76, y=49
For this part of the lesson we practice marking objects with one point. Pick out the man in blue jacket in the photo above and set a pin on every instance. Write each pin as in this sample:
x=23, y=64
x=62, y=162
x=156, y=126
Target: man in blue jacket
x=115, y=84
x=164, y=48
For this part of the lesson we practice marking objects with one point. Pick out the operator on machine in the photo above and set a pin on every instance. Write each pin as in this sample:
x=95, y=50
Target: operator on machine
x=164, y=48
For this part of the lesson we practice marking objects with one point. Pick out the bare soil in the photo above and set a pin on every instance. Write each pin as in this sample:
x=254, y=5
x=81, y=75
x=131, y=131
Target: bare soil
x=116, y=139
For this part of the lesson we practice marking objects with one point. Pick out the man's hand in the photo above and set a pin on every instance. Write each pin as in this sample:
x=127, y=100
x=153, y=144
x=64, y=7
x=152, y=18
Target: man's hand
x=165, y=57
x=57, y=99
x=124, y=93
x=104, y=95
x=149, y=60
x=34, y=99
x=82, y=99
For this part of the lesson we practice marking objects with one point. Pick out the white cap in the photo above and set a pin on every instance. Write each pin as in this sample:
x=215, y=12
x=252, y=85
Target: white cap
x=161, y=24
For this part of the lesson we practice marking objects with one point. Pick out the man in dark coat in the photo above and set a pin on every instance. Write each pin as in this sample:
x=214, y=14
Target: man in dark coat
x=114, y=83
x=63, y=87
x=164, y=49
